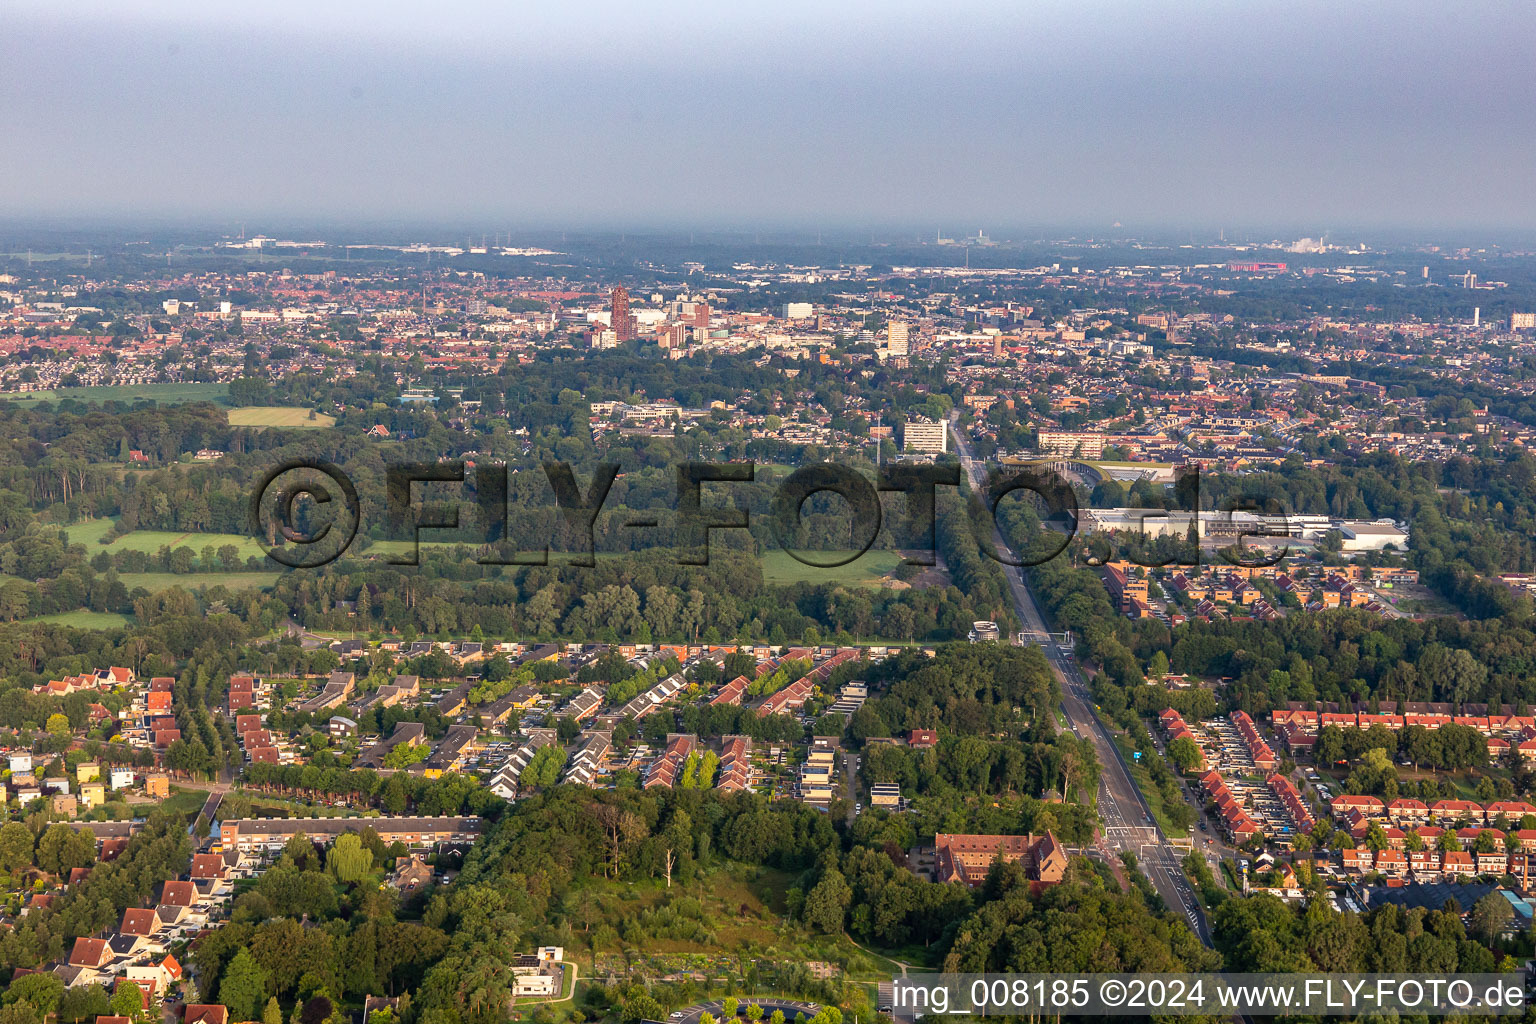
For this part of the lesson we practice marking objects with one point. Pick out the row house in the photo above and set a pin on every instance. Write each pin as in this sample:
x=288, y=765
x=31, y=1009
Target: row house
x=651, y=700
x=1263, y=757
x=1295, y=806
x=252, y=834
x=735, y=763
x=1429, y=865
x=667, y=770
x=732, y=692
x=1174, y=727
x=584, y=705
x=586, y=763
x=790, y=698
x=506, y=781
x=1236, y=821
x=112, y=678
x=1408, y=812
x=242, y=694
x=1523, y=726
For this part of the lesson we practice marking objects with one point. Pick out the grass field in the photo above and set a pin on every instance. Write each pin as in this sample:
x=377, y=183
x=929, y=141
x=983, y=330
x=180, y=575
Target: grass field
x=1149, y=790
x=84, y=619
x=89, y=532
x=157, y=581
x=745, y=908
x=782, y=568
x=277, y=416
x=165, y=394
x=92, y=531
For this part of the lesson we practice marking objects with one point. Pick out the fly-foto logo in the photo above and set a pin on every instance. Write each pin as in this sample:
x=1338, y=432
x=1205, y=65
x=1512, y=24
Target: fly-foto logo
x=309, y=512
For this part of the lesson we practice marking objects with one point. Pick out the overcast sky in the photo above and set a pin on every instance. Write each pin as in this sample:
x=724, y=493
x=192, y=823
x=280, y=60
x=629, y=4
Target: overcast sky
x=954, y=115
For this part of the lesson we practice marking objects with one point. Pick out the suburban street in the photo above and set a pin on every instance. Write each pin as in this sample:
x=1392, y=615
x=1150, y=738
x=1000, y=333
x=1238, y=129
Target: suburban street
x=1126, y=819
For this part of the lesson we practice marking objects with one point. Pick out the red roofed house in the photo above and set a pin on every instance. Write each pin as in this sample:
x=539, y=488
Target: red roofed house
x=139, y=922
x=1514, y=810
x=90, y=953
x=1492, y=863
x=1368, y=806
x=155, y=977
x=1391, y=862
x=1457, y=862
x=1447, y=812
x=732, y=692
x=205, y=1013
x=921, y=739
x=207, y=865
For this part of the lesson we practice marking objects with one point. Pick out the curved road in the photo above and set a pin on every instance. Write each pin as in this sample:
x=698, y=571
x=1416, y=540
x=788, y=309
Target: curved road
x=714, y=1008
x=1128, y=823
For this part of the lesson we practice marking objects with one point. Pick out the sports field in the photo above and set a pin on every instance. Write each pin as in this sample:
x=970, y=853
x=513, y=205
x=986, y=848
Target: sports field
x=278, y=416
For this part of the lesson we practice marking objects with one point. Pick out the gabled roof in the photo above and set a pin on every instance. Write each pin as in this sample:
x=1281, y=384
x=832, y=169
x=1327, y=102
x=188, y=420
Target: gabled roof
x=89, y=953
x=138, y=921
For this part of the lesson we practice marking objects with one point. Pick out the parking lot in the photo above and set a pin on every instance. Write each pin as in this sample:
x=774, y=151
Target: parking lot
x=1247, y=781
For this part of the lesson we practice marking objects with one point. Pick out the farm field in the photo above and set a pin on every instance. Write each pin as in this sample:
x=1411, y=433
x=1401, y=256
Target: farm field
x=278, y=416
x=165, y=394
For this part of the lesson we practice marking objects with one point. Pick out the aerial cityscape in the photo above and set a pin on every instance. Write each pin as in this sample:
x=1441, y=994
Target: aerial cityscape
x=477, y=613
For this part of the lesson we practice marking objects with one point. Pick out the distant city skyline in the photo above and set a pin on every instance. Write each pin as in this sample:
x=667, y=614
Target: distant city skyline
x=954, y=118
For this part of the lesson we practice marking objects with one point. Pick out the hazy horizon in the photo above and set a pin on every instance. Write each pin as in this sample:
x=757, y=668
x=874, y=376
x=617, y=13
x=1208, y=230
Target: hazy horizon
x=890, y=117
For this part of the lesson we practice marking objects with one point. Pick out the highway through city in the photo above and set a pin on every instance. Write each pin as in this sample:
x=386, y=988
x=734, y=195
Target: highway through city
x=1127, y=820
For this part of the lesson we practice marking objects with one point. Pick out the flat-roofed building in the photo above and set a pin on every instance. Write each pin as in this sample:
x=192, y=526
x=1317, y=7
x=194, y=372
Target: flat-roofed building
x=928, y=437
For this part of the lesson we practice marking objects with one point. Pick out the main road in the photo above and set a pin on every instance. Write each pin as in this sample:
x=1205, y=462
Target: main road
x=1127, y=820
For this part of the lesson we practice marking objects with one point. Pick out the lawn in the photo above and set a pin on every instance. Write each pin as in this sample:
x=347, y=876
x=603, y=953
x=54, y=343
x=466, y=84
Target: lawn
x=1149, y=790
x=83, y=619
x=185, y=801
x=780, y=567
x=165, y=394
x=278, y=416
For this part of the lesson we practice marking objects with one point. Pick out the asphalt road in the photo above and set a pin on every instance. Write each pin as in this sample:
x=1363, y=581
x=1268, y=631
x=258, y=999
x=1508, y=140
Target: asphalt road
x=851, y=783
x=1127, y=820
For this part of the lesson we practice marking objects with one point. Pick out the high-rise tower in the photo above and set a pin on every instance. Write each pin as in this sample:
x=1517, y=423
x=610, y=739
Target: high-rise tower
x=621, y=319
